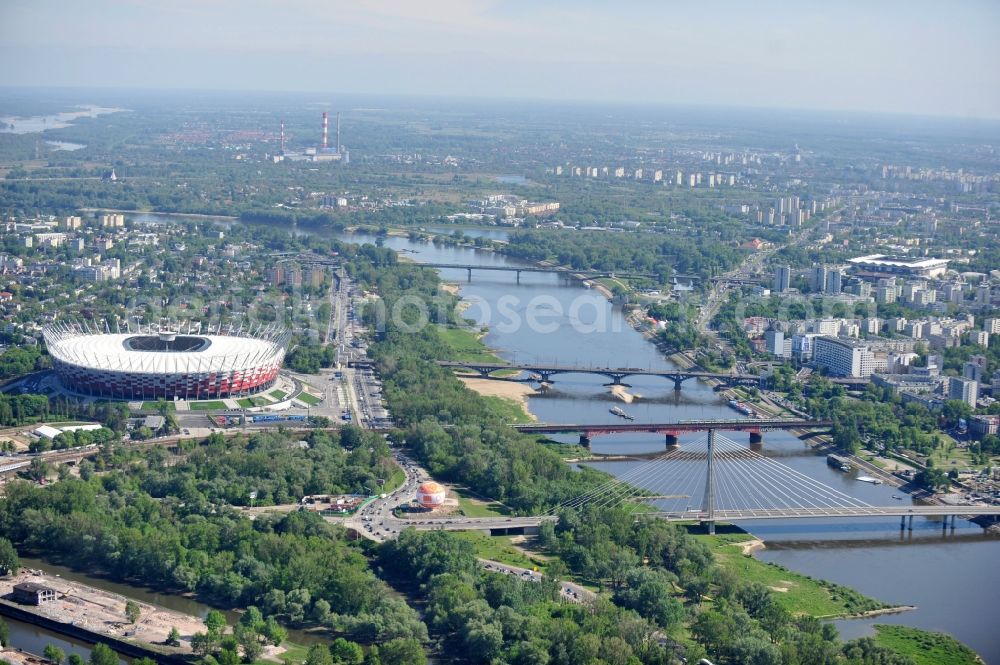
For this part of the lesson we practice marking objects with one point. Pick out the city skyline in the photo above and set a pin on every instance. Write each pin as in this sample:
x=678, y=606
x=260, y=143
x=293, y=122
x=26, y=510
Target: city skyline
x=919, y=58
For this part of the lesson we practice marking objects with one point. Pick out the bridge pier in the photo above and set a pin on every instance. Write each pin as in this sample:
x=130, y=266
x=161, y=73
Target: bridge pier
x=756, y=438
x=585, y=441
x=518, y=276
x=671, y=440
x=909, y=526
x=678, y=384
x=902, y=522
x=470, y=274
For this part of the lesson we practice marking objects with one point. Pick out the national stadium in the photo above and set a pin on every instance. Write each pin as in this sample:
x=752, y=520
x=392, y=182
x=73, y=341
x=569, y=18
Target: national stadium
x=159, y=362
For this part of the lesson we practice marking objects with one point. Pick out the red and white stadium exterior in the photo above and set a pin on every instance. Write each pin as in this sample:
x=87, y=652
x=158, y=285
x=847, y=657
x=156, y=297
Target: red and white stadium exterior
x=157, y=363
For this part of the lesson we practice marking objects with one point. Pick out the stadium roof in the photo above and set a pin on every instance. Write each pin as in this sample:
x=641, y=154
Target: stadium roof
x=115, y=352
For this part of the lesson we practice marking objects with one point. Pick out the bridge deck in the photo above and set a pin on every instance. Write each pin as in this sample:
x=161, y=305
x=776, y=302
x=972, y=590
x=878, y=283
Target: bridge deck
x=465, y=524
x=682, y=426
x=606, y=371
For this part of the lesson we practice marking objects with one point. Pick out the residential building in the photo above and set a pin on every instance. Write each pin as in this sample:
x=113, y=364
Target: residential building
x=965, y=390
x=843, y=357
x=782, y=279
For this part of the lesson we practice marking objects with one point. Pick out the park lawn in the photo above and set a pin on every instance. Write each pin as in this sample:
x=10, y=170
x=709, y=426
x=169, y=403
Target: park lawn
x=465, y=345
x=799, y=594
x=278, y=394
x=208, y=406
x=954, y=458
x=247, y=402
x=153, y=406
x=395, y=481
x=305, y=397
x=509, y=409
x=475, y=507
x=499, y=548
x=925, y=647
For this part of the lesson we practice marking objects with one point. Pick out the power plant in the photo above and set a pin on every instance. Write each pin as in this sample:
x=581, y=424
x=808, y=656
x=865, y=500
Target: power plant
x=323, y=153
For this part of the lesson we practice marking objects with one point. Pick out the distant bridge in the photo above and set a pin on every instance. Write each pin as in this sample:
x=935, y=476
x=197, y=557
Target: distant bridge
x=671, y=430
x=584, y=274
x=616, y=374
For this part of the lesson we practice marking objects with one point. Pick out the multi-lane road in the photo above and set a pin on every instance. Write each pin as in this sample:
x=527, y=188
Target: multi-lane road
x=376, y=521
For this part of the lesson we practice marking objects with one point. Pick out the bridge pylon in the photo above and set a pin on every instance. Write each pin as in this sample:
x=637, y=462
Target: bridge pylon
x=709, y=504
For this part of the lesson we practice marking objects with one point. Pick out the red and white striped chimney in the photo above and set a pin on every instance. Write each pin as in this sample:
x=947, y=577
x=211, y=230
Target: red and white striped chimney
x=326, y=128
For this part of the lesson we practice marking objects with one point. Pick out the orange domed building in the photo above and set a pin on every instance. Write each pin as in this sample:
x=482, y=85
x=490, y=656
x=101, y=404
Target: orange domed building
x=431, y=495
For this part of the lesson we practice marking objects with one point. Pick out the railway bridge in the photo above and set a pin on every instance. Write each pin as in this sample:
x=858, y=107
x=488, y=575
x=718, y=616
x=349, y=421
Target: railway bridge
x=755, y=427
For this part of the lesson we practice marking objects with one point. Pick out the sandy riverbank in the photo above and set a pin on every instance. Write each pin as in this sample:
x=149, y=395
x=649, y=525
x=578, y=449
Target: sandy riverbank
x=450, y=288
x=519, y=392
x=751, y=546
x=622, y=393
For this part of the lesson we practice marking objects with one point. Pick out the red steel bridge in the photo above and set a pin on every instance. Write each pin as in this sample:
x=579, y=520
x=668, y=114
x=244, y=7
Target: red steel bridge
x=672, y=430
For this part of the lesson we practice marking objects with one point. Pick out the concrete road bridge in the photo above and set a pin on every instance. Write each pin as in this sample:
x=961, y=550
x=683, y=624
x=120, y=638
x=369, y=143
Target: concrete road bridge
x=545, y=372
x=574, y=274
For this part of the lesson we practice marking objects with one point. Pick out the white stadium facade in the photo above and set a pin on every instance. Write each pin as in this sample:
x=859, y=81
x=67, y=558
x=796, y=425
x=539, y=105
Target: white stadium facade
x=162, y=363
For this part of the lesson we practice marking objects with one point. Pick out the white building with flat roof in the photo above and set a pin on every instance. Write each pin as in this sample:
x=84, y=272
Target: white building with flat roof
x=894, y=265
x=843, y=357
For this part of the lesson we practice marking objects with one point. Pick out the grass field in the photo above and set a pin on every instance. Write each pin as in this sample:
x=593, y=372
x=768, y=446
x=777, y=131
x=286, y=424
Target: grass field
x=799, y=594
x=474, y=507
x=306, y=398
x=208, y=406
x=464, y=345
x=394, y=481
x=499, y=548
x=924, y=647
x=278, y=394
x=247, y=402
x=507, y=408
x=153, y=406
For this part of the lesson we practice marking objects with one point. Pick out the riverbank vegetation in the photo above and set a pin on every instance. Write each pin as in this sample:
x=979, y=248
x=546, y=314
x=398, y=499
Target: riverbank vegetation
x=165, y=520
x=925, y=647
x=798, y=594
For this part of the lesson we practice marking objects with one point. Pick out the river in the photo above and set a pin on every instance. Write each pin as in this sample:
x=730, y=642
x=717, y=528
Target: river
x=951, y=577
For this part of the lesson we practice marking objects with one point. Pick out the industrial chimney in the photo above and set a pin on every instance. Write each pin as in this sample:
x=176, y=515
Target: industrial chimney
x=326, y=130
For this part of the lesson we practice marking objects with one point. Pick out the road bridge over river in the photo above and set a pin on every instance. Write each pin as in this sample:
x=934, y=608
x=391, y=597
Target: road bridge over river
x=575, y=274
x=545, y=372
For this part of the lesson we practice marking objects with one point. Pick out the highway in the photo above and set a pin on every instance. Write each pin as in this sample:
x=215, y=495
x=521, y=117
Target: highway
x=376, y=522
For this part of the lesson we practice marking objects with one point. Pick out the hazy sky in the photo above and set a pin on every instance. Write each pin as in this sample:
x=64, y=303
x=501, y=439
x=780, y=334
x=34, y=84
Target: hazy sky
x=934, y=57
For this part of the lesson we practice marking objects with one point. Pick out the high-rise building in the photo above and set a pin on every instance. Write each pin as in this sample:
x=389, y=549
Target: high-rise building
x=818, y=281
x=782, y=278
x=834, y=282
x=843, y=357
x=774, y=342
x=962, y=389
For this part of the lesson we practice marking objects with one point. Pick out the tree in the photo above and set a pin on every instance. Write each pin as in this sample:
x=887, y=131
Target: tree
x=102, y=654
x=75, y=659
x=404, y=651
x=174, y=637
x=215, y=621
x=4, y=634
x=132, y=611
x=9, y=563
x=345, y=652
x=318, y=655
x=54, y=653
x=273, y=632
x=249, y=641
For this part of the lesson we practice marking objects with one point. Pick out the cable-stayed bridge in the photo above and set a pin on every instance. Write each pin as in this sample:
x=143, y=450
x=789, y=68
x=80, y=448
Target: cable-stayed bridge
x=718, y=479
